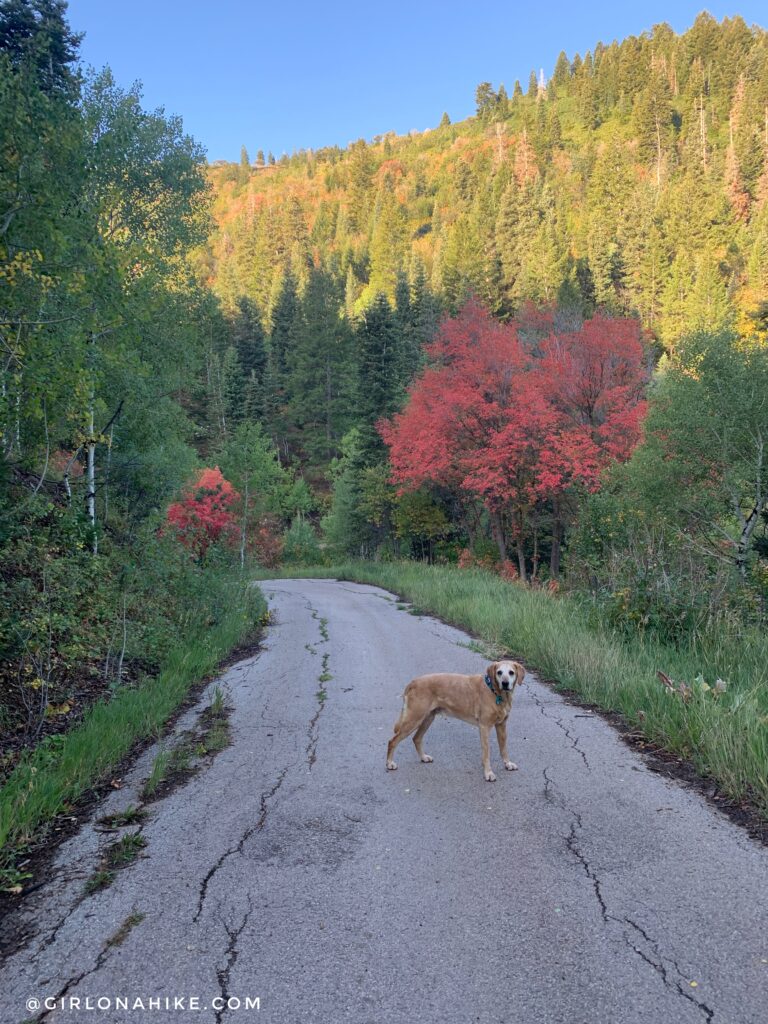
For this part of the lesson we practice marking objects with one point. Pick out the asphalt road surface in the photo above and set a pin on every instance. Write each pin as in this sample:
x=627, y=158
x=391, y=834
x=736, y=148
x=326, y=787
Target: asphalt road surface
x=294, y=869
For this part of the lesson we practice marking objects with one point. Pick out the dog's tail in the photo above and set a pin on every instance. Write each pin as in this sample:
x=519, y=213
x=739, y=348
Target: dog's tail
x=403, y=711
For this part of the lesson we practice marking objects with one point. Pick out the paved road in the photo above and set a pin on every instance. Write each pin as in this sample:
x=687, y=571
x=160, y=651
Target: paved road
x=581, y=889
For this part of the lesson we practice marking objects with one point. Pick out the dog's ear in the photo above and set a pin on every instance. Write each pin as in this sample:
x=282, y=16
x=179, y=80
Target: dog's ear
x=519, y=672
x=491, y=671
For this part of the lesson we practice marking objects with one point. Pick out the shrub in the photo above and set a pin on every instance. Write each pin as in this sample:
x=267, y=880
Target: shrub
x=300, y=545
x=204, y=514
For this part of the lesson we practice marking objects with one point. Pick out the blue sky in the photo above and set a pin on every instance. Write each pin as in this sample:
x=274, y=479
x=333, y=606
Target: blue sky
x=286, y=75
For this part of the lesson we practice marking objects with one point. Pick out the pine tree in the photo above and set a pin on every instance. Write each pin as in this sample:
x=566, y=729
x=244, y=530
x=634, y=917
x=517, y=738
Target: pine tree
x=233, y=390
x=652, y=116
x=502, y=103
x=352, y=289
x=244, y=171
x=360, y=185
x=388, y=241
x=407, y=345
x=708, y=307
x=378, y=390
x=284, y=314
x=562, y=73
x=485, y=101
x=445, y=121
x=35, y=34
x=250, y=344
x=321, y=373
x=425, y=310
x=516, y=226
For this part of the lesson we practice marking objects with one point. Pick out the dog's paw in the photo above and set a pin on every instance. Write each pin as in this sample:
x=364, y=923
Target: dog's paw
x=510, y=766
x=427, y=758
x=391, y=766
x=490, y=777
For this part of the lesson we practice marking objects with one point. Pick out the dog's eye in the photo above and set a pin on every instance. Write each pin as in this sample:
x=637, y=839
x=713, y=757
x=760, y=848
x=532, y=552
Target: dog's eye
x=498, y=672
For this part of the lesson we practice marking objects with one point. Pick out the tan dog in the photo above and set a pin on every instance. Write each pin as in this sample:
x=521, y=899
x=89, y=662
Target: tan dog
x=480, y=700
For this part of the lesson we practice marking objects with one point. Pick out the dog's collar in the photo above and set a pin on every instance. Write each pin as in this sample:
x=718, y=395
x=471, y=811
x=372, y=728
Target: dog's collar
x=489, y=684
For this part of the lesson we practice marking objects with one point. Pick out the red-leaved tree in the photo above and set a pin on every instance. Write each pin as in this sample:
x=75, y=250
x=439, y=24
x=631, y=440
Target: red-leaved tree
x=204, y=515
x=517, y=423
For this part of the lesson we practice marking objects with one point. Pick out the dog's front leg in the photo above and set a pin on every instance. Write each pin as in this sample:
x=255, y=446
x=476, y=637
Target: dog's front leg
x=501, y=736
x=485, y=731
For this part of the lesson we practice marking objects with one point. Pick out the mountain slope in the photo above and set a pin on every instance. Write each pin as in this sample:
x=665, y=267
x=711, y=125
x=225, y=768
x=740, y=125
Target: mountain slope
x=635, y=179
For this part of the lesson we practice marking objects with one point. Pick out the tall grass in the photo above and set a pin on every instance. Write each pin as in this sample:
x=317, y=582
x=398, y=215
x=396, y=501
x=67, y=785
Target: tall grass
x=725, y=736
x=62, y=768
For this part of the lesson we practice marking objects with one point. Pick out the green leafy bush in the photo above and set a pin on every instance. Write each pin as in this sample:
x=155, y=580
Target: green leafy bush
x=300, y=544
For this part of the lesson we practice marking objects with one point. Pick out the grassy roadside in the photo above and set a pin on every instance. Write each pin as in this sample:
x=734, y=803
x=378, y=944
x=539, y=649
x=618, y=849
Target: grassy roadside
x=49, y=779
x=724, y=734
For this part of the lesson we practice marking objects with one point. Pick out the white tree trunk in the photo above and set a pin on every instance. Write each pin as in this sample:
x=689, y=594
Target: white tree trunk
x=91, y=481
x=244, y=527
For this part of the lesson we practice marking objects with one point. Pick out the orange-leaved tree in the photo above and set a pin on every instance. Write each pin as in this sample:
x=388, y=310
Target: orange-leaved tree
x=204, y=513
x=520, y=423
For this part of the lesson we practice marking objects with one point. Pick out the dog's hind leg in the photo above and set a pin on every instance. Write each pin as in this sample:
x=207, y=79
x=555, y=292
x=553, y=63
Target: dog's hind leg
x=420, y=734
x=501, y=736
x=407, y=723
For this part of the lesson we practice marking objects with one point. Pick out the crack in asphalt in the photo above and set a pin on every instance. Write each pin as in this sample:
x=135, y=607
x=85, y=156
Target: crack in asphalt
x=311, y=753
x=571, y=844
x=574, y=740
x=231, y=953
x=72, y=982
x=660, y=967
x=238, y=847
x=313, y=735
x=551, y=795
x=313, y=729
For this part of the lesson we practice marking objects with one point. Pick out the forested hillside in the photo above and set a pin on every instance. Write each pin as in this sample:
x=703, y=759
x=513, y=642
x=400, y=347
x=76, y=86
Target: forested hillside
x=629, y=186
x=634, y=178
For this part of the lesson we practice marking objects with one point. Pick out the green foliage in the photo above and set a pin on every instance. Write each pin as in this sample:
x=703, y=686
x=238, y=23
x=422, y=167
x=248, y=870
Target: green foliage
x=115, y=363
x=319, y=361
x=420, y=520
x=676, y=540
x=377, y=387
x=300, y=544
x=344, y=527
x=218, y=611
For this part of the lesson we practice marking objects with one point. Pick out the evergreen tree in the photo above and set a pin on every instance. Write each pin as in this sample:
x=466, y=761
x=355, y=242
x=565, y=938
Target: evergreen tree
x=485, y=101
x=562, y=73
x=502, y=103
x=388, y=240
x=284, y=314
x=652, y=117
x=406, y=342
x=34, y=34
x=244, y=172
x=360, y=185
x=321, y=373
x=250, y=344
x=377, y=388
x=232, y=391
